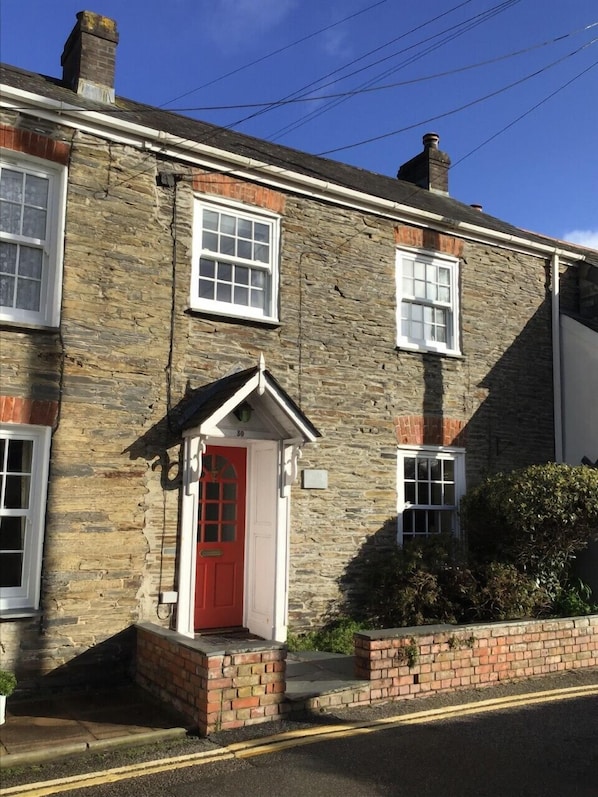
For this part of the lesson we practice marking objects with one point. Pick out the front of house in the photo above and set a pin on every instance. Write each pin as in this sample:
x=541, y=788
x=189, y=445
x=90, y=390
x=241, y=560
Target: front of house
x=229, y=367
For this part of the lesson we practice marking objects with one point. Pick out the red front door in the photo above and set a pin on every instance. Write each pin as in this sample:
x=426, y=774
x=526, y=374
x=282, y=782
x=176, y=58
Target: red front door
x=220, y=539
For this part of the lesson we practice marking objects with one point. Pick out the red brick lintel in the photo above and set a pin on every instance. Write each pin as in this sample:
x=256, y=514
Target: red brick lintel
x=34, y=144
x=428, y=239
x=14, y=409
x=233, y=188
x=433, y=430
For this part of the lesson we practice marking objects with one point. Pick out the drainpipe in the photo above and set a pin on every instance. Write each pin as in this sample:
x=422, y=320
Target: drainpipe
x=556, y=359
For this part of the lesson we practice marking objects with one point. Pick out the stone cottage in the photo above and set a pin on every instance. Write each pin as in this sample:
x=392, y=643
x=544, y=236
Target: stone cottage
x=227, y=365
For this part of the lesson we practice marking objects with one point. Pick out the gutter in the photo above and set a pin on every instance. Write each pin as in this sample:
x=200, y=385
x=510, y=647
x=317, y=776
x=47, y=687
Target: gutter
x=203, y=155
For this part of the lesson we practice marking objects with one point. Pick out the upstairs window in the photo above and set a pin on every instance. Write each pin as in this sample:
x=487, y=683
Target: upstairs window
x=24, y=456
x=427, y=301
x=235, y=263
x=31, y=232
x=431, y=482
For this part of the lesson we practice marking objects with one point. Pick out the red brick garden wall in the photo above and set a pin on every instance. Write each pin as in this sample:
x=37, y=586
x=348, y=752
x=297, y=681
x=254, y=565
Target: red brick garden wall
x=409, y=661
x=214, y=687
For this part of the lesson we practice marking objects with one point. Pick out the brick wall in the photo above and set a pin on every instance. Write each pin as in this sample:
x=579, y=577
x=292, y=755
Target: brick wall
x=412, y=661
x=216, y=687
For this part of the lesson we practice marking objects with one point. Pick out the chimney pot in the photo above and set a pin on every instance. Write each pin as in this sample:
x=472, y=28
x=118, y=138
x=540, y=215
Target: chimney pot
x=430, y=140
x=430, y=168
x=89, y=57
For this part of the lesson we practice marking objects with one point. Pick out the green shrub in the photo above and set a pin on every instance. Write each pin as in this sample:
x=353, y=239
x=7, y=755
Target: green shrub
x=575, y=600
x=8, y=683
x=335, y=637
x=535, y=519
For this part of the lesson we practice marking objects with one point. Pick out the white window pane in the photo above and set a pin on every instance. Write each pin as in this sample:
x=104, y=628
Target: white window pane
x=7, y=291
x=206, y=267
x=417, y=330
x=449, y=494
x=408, y=268
x=227, y=245
x=206, y=289
x=210, y=241
x=10, y=218
x=8, y=257
x=225, y=272
x=417, y=312
x=228, y=224
x=449, y=470
x=430, y=273
x=242, y=275
x=262, y=232
x=245, y=229
x=11, y=185
x=257, y=299
x=444, y=276
x=419, y=271
x=28, y=294
x=241, y=296
x=36, y=191
x=261, y=253
x=420, y=289
x=34, y=223
x=30, y=262
x=244, y=249
x=444, y=294
x=257, y=278
x=224, y=292
x=407, y=287
x=210, y=220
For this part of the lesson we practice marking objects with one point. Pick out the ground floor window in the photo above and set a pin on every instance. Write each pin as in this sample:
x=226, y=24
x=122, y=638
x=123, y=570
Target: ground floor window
x=430, y=483
x=24, y=457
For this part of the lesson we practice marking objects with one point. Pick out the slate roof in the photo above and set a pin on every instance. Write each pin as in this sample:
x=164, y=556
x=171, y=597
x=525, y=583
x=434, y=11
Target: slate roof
x=292, y=160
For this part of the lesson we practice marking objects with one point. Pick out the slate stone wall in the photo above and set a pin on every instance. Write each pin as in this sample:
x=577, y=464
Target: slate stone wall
x=129, y=346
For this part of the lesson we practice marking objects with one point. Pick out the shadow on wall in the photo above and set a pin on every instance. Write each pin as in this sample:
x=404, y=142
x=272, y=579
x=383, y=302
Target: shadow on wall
x=108, y=663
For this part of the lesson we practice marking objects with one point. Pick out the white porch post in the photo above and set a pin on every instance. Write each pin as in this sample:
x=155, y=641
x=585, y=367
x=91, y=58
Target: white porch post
x=192, y=459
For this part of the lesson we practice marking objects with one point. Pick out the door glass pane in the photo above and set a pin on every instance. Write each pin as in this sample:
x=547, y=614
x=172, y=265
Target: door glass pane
x=228, y=532
x=211, y=532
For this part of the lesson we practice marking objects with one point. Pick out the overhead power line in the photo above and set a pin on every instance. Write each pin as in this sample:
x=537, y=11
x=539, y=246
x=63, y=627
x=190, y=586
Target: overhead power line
x=386, y=86
x=461, y=107
x=275, y=52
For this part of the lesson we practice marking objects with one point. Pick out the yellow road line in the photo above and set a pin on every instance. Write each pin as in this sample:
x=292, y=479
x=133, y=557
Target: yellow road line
x=289, y=739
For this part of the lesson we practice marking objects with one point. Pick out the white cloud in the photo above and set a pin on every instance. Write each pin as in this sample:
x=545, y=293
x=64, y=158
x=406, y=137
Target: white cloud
x=587, y=238
x=335, y=44
x=235, y=22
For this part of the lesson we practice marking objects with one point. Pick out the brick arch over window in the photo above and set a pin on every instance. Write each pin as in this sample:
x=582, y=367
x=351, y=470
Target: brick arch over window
x=14, y=409
x=233, y=188
x=34, y=144
x=428, y=239
x=430, y=430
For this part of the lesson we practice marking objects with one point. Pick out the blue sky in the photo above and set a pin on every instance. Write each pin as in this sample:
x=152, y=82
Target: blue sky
x=540, y=173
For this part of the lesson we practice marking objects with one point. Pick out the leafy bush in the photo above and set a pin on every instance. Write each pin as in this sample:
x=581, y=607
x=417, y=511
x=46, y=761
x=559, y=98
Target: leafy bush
x=8, y=683
x=535, y=519
x=575, y=600
x=423, y=584
x=335, y=637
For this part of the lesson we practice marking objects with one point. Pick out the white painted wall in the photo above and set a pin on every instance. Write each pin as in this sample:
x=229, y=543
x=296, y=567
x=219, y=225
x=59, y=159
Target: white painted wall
x=579, y=370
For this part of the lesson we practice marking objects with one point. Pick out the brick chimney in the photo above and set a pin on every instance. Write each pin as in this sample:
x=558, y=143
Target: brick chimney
x=430, y=168
x=89, y=56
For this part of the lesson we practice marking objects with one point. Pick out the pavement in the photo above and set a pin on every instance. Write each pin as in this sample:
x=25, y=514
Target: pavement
x=53, y=727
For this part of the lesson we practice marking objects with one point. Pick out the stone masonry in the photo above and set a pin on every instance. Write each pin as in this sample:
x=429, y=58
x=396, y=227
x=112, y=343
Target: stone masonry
x=129, y=346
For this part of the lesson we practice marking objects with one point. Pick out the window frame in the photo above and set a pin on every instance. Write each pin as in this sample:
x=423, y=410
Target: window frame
x=435, y=259
x=26, y=597
x=457, y=456
x=52, y=246
x=271, y=269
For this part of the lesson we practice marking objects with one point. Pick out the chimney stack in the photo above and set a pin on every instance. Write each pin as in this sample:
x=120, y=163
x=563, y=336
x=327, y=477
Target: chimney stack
x=430, y=168
x=89, y=57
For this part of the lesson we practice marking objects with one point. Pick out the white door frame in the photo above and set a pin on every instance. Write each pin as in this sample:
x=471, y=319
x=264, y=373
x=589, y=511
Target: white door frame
x=265, y=600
